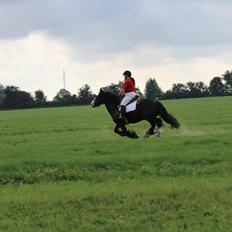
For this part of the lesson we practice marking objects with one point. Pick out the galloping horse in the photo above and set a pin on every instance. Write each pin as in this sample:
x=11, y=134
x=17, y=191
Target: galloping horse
x=146, y=110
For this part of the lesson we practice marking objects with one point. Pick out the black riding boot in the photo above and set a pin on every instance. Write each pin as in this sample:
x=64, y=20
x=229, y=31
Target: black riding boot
x=122, y=114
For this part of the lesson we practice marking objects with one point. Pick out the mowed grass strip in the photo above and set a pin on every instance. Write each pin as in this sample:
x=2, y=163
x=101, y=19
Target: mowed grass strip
x=64, y=169
x=164, y=204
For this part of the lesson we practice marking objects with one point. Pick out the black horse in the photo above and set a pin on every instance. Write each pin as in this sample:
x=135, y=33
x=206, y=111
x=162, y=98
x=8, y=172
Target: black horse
x=146, y=110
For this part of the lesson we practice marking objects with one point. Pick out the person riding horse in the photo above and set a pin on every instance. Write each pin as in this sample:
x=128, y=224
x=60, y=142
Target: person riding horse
x=128, y=91
x=152, y=111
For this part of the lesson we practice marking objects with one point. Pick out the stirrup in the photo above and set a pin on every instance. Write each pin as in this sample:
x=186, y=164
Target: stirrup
x=123, y=120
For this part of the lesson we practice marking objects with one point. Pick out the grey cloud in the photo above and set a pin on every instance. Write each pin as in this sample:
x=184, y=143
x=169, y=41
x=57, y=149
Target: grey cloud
x=103, y=26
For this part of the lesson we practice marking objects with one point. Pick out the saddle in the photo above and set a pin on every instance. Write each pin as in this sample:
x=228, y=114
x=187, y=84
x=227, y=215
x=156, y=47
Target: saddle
x=135, y=98
x=131, y=106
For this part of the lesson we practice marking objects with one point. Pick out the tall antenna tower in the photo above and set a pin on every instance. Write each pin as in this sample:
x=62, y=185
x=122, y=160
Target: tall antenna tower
x=64, y=79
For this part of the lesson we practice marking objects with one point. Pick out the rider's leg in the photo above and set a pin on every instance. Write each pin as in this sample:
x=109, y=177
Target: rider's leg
x=122, y=113
x=122, y=109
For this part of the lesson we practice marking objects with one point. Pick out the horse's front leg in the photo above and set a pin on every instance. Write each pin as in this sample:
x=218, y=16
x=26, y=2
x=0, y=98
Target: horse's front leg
x=117, y=131
x=128, y=133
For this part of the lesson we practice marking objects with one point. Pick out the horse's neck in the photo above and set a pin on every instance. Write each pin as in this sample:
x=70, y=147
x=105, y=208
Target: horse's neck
x=112, y=109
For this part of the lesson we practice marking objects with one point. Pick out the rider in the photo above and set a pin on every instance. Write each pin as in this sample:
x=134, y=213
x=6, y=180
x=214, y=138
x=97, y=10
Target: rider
x=128, y=91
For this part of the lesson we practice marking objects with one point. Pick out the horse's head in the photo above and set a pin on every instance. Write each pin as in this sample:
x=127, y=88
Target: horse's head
x=99, y=99
x=105, y=97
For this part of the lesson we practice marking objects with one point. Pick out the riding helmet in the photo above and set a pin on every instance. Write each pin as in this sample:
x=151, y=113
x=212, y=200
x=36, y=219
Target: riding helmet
x=127, y=73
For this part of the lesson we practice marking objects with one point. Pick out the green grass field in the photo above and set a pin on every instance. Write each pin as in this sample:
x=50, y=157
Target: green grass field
x=64, y=169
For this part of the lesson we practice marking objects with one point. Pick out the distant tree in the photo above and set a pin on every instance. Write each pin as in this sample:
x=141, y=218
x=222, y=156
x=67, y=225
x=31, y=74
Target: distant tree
x=63, y=97
x=196, y=89
x=63, y=93
x=15, y=98
x=203, y=89
x=2, y=95
x=227, y=77
x=168, y=94
x=85, y=95
x=40, y=98
x=178, y=91
x=217, y=87
x=137, y=90
x=114, y=88
x=152, y=90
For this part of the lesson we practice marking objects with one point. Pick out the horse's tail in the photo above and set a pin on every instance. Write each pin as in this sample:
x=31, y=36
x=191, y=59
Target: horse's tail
x=167, y=117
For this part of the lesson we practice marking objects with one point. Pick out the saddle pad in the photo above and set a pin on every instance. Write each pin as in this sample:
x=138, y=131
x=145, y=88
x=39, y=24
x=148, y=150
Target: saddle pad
x=131, y=107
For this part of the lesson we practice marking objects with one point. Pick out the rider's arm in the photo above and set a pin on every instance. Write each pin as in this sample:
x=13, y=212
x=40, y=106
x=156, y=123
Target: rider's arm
x=126, y=85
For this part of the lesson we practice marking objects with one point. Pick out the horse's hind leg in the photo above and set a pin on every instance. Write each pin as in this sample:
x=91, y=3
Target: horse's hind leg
x=159, y=122
x=154, y=129
x=150, y=131
x=147, y=134
x=158, y=125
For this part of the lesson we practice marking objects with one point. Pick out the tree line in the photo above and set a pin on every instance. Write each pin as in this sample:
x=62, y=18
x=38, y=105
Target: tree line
x=218, y=86
x=11, y=97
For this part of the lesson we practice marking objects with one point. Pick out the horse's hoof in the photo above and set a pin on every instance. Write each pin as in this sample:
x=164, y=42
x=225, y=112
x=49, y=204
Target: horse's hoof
x=156, y=131
x=146, y=135
x=134, y=136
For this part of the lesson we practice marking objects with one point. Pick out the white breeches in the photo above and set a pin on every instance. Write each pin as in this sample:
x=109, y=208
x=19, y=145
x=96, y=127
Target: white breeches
x=128, y=97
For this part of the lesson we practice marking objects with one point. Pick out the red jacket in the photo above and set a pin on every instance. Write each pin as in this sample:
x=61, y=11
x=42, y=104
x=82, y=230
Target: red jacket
x=129, y=85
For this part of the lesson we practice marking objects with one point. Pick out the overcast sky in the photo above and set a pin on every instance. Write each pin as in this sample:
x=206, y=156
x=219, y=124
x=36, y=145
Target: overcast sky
x=96, y=40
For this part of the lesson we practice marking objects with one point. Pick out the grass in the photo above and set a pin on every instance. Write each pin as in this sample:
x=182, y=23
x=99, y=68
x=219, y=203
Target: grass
x=64, y=169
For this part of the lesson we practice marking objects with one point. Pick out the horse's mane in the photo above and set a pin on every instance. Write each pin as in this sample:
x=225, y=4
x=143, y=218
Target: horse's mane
x=113, y=97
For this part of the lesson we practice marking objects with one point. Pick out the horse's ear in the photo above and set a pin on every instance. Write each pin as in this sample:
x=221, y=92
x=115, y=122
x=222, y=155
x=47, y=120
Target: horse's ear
x=101, y=90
